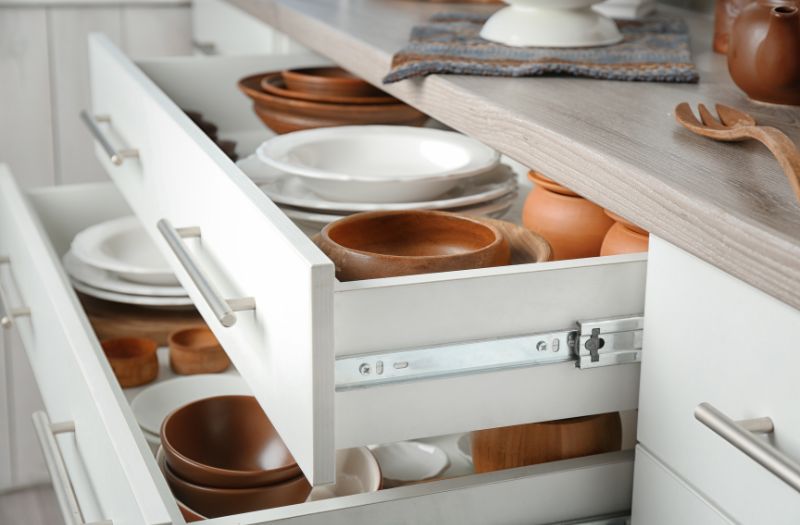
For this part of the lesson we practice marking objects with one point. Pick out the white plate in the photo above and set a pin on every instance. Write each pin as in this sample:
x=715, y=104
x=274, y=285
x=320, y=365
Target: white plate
x=408, y=461
x=139, y=300
x=290, y=190
x=494, y=209
x=111, y=282
x=357, y=472
x=156, y=402
x=123, y=247
x=378, y=164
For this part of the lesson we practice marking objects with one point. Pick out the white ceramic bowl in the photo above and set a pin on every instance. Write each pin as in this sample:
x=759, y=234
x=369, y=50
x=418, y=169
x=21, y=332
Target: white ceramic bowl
x=357, y=472
x=409, y=462
x=551, y=23
x=123, y=247
x=378, y=164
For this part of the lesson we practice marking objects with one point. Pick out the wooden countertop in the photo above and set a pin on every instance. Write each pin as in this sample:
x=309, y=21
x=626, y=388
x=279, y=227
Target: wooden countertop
x=616, y=143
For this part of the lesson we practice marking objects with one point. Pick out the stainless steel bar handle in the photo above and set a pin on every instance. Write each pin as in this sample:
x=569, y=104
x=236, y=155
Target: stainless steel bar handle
x=741, y=435
x=45, y=432
x=115, y=156
x=224, y=309
x=9, y=312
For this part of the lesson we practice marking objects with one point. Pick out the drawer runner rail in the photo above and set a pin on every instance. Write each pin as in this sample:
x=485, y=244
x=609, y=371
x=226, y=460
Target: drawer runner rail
x=592, y=343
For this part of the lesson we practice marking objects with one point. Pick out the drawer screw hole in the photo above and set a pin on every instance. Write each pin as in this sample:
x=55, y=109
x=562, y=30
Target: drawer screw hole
x=364, y=369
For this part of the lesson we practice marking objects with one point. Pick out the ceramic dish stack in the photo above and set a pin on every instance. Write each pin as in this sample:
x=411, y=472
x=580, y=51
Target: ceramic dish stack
x=319, y=176
x=309, y=98
x=116, y=261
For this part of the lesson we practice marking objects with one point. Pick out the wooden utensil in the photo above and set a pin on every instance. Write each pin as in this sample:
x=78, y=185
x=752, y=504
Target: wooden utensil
x=735, y=126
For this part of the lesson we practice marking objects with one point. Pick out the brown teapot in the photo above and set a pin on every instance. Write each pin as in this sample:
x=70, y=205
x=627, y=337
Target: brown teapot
x=764, y=51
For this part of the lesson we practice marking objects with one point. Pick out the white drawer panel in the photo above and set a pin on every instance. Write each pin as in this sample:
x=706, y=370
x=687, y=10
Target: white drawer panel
x=662, y=498
x=305, y=318
x=711, y=338
x=107, y=462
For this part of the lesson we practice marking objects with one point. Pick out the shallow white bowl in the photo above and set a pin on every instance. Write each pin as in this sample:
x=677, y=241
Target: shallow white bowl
x=378, y=164
x=357, y=472
x=409, y=461
x=551, y=23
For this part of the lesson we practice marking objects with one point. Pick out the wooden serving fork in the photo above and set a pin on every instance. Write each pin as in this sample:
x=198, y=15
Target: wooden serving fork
x=734, y=126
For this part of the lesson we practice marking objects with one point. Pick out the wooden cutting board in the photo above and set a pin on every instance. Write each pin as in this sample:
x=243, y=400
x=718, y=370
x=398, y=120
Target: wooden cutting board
x=110, y=320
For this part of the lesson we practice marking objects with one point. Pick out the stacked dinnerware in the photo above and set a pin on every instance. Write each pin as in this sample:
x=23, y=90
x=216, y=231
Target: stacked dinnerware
x=319, y=176
x=309, y=98
x=117, y=261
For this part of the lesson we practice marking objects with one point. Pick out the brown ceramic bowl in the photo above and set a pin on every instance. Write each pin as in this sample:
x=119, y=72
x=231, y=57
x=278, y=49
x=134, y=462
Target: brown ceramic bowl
x=390, y=243
x=196, y=351
x=226, y=442
x=211, y=502
x=275, y=85
x=133, y=360
x=329, y=82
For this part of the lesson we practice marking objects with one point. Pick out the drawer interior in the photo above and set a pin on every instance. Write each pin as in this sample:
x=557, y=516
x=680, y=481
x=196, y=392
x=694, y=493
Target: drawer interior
x=502, y=496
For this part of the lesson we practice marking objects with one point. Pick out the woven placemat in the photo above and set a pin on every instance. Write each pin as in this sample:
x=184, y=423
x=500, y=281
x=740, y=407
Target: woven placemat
x=653, y=50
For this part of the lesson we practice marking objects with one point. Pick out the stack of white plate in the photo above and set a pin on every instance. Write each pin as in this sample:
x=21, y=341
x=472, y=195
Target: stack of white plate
x=318, y=176
x=116, y=261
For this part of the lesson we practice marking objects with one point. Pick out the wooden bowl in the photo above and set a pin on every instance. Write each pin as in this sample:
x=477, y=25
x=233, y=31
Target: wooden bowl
x=329, y=82
x=281, y=122
x=530, y=444
x=196, y=351
x=225, y=442
x=212, y=502
x=378, y=244
x=275, y=85
x=133, y=360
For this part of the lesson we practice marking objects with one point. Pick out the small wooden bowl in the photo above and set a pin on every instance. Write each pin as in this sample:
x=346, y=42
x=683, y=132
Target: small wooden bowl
x=275, y=85
x=196, y=351
x=133, y=360
x=329, y=82
x=391, y=243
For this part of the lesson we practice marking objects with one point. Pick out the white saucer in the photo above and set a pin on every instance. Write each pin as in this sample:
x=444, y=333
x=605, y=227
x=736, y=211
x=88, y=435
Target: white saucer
x=112, y=282
x=409, y=461
x=156, y=402
x=140, y=300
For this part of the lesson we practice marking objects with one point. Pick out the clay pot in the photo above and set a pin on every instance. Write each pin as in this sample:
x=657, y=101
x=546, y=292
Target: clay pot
x=725, y=14
x=534, y=443
x=624, y=237
x=196, y=351
x=329, y=82
x=764, y=52
x=390, y=243
x=133, y=360
x=574, y=226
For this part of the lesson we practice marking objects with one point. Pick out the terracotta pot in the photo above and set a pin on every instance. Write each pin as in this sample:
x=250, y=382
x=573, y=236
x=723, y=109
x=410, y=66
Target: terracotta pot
x=624, y=237
x=133, y=360
x=574, y=226
x=764, y=52
x=530, y=444
x=329, y=82
x=196, y=351
x=725, y=14
x=378, y=244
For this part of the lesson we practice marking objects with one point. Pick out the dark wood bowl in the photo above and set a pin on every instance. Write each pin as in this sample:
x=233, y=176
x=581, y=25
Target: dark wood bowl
x=133, y=360
x=275, y=85
x=225, y=442
x=329, y=82
x=379, y=244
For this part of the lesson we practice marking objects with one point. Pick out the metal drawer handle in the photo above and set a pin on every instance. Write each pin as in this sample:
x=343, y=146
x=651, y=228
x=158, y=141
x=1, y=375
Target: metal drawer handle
x=116, y=157
x=740, y=435
x=7, y=320
x=223, y=308
x=62, y=485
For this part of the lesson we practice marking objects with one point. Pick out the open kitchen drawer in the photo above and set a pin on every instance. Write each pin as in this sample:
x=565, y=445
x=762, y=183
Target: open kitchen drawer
x=102, y=468
x=334, y=364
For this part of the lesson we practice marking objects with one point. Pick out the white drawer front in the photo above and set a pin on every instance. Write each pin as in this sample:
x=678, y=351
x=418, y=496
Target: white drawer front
x=247, y=248
x=711, y=338
x=662, y=498
x=107, y=463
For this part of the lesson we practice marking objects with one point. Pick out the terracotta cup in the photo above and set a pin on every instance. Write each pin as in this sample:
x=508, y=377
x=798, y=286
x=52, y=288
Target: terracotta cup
x=530, y=444
x=624, y=237
x=574, y=226
x=371, y=245
x=196, y=351
x=133, y=360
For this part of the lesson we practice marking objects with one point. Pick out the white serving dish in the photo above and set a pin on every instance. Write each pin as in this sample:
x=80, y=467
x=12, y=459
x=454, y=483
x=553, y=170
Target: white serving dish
x=551, y=23
x=123, y=247
x=357, y=472
x=378, y=164
x=110, y=281
x=409, y=461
